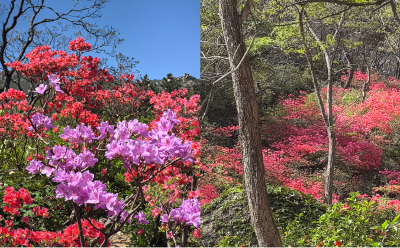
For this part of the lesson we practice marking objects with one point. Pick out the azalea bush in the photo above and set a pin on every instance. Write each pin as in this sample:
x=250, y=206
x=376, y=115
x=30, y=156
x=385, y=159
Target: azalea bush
x=364, y=129
x=91, y=153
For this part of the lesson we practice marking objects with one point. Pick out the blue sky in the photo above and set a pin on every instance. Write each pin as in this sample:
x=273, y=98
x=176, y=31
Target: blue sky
x=163, y=35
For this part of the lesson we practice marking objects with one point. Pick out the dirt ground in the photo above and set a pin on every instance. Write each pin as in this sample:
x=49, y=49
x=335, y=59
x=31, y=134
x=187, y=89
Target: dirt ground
x=120, y=239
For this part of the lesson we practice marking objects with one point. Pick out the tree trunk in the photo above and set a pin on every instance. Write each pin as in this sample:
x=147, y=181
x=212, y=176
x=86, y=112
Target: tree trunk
x=330, y=167
x=249, y=121
x=8, y=81
x=327, y=115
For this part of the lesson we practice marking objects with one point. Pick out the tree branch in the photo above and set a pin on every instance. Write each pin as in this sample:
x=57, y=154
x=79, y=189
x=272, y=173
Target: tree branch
x=246, y=11
x=208, y=98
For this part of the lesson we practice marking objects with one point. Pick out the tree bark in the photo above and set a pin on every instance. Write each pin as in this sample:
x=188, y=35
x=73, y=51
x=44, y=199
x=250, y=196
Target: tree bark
x=80, y=229
x=249, y=121
x=331, y=164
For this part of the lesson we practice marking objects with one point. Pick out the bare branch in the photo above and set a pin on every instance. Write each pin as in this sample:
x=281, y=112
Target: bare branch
x=208, y=98
x=246, y=11
x=347, y=3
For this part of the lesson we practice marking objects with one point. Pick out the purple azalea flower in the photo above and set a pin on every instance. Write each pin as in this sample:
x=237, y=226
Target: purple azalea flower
x=164, y=218
x=105, y=130
x=112, y=149
x=59, y=176
x=141, y=218
x=86, y=133
x=137, y=127
x=58, y=89
x=188, y=213
x=62, y=190
x=94, y=196
x=170, y=115
x=165, y=125
x=175, y=215
x=66, y=133
x=73, y=193
x=85, y=159
x=122, y=132
x=55, y=82
x=87, y=177
x=41, y=89
x=47, y=122
x=123, y=216
x=53, y=79
x=38, y=119
x=34, y=167
x=47, y=170
x=56, y=153
x=80, y=134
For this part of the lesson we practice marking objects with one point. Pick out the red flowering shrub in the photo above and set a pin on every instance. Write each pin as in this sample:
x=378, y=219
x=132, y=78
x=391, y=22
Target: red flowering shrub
x=208, y=193
x=13, y=199
x=298, y=143
x=75, y=97
x=67, y=238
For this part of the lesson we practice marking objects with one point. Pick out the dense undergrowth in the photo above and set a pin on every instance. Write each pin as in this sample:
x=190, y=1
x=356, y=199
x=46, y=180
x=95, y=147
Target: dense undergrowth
x=301, y=220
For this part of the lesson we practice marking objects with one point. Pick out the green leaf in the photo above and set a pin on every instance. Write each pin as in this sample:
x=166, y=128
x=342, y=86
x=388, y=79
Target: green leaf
x=396, y=219
x=384, y=225
x=376, y=228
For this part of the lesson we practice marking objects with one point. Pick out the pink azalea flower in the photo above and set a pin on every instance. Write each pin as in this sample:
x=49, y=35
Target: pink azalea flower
x=41, y=89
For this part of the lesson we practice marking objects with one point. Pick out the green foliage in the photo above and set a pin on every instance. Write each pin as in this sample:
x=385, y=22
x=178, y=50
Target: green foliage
x=273, y=82
x=170, y=83
x=260, y=43
x=352, y=223
x=330, y=39
x=350, y=97
x=288, y=37
x=301, y=220
x=222, y=108
x=226, y=222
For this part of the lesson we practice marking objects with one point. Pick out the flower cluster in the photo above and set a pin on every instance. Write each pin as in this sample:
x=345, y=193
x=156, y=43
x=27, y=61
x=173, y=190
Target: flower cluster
x=55, y=82
x=188, y=213
x=13, y=106
x=40, y=212
x=141, y=218
x=13, y=198
x=156, y=147
x=38, y=119
x=67, y=238
x=64, y=158
x=79, y=188
x=78, y=135
x=79, y=45
x=208, y=193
